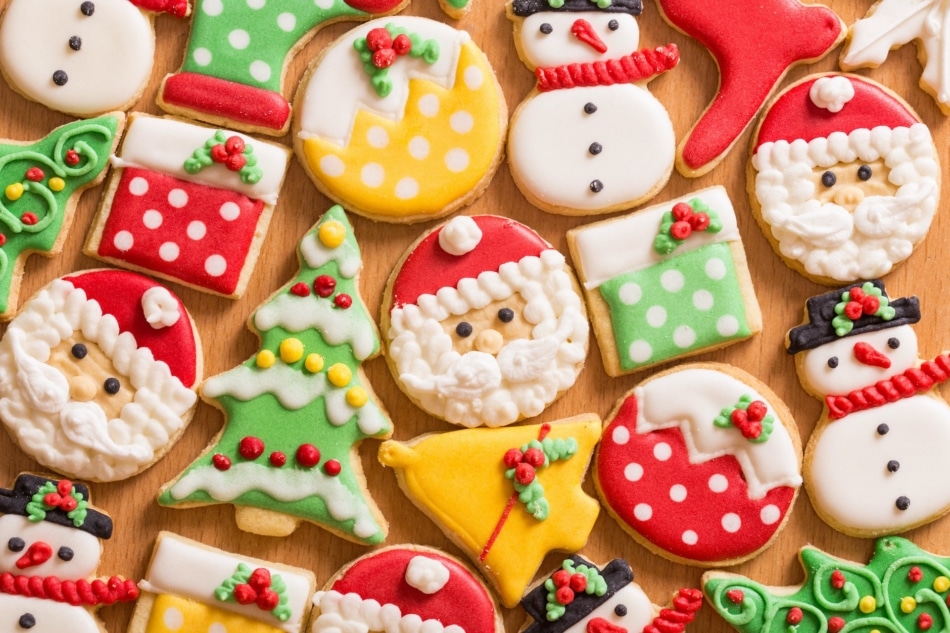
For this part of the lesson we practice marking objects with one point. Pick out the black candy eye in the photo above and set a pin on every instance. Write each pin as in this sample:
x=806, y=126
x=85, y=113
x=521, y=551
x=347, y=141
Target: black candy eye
x=893, y=343
x=75, y=42
x=613, y=25
x=27, y=621
x=864, y=172
x=833, y=362
x=65, y=553
x=546, y=28
x=78, y=351
x=505, y=315
x=16, y=544
x=463, y=329
x=590, y=108
x=111, y=385
x=620, y=610
x=829, y=179
x=87, y=8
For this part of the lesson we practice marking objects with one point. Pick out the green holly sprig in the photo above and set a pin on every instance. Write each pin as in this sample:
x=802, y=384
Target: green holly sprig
x=230, y=151
x=568, y=581
x=682, y=221
x=256, y=586
x=380, y=48
x=868, y=300
x=63, y=496
x=523, y=463
x=750, y=417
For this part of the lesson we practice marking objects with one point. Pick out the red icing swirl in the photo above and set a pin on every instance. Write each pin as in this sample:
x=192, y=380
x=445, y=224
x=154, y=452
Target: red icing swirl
x=674, y=620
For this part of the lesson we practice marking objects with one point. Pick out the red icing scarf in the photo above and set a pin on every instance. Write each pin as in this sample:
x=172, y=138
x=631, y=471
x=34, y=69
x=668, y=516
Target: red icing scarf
x=74, y=592
x=637, y=66
x=904, y=385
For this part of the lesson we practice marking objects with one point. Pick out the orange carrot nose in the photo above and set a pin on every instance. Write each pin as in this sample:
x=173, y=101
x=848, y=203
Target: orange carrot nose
x=600, y=625
x=37, y=554
x=582, y=30
x=870, y=356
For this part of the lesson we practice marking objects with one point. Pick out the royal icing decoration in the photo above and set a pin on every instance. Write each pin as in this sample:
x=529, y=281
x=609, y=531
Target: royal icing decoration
x=88, y=385
x=81, y=57
x=590, y=140
x=883, y=430
x=672, y=278
x=693, y=478
x=315, y=333
x=844, y=195
x=478, y=507
x=411, y=140
x=468, y=368
x=189, y=204
x=754, y=45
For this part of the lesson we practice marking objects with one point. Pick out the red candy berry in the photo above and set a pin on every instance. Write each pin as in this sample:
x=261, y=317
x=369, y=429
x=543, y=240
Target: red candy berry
x=278, y=459
x=300, y=289
x=681, y=230
x=378, y=38
x=524, y=473
x=699, y=221
x=251, y=447
x=218, y=153
x=72, y=157
x=915, y=574
x=682, y=211
x=234, y=145
x=235, y=162
x=68, y=504
x=324, y=285
x=35, y=174
x=64, y=487
x=794, y=615
x=244, y=594
x=52, y=499
x=343, y=301
x=308, y=455
x=268, y=600
x=29, y=218
x=837, y=579
x=402, y=44
x=561, y=578
x=332, y=467
x=736, y=596
x=534, y=456
x=384, y=58
x=221, y=462
x=578, y=582
x=835, y=624
x=513, y=457
x=3, y=239
x=925, y=621
x=564, y=595
x=260, y=579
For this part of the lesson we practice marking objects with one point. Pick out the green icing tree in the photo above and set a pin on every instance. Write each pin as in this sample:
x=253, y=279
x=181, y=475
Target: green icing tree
x=903, y=589
x=297, y=410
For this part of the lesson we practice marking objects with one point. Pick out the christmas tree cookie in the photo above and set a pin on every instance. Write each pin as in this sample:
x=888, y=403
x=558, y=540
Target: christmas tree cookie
x=297, y=410
x=505, y=496
x=40, y=184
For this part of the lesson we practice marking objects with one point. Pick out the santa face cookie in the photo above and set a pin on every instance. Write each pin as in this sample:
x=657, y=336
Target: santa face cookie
x=869, y=464
x=406, y=588
x=401, y=120
x=81, y=57
x=589, y=140
x=483, y=322
x=844, y=178
x=705, y=480
x=193, y=587
x=51, y=545
x=97, y=374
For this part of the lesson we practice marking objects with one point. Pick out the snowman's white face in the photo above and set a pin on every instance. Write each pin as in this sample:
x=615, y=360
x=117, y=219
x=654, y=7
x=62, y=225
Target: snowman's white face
x=627, y=611
x=548, y=37
x=836, y=368
x=36, y=615
x=54, y=550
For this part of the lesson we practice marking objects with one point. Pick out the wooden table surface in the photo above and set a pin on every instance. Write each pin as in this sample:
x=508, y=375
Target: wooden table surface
x=685, y=91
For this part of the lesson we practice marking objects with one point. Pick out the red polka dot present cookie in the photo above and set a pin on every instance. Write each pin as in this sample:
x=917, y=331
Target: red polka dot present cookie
x=708, y=479
x=188, y=204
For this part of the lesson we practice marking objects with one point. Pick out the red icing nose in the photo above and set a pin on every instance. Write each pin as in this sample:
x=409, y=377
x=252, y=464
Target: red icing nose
x=582, y=30
x=870, y=356
x=600, y=625
x=37, y=554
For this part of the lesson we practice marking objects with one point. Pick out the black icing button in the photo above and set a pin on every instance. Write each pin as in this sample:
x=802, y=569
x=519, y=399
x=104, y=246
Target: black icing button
x=590, y=108
x=596, y=186
x=893, y=466
x=75, y=42
x=27, y=621
x=595, y=148
x=902, y=503
x=87, y=8
x=60, y=77
x=882, y=429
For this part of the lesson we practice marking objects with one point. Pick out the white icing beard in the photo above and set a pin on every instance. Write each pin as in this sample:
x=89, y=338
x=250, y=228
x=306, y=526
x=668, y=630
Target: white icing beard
x=86, y=548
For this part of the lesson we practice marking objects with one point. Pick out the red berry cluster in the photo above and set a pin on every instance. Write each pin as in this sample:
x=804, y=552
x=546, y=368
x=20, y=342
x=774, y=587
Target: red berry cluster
x=687, y=221
x=385, y=47
x=568, y=585
x=62, y=498
x=257, y=591
x=250, y=448
x=323, y=286
x=749, y=421
x=230, y=153
x=35, y=174
x=525, y=464
x=861, y=304
x=915, y=575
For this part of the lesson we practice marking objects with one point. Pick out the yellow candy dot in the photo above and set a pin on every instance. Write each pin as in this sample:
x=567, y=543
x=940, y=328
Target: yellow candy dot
x=291, y=350
x=265, y=359
x=332, y=233
x=57, y=184
x=875, y=630
x=14, y=191
x=356, y=397
x=313, y=363
x=340, y=375
x=941, y=584
x=867, y=604
x=908, y=604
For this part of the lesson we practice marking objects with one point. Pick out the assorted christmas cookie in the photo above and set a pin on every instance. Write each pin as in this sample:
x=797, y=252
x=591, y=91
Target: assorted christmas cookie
x=708, y=479
x=51, y=539
x=298, y=409
x=233, y=71
x=41, y=183
x=844, y=178
x=890, y=24
x=507, y=496
x=484, y=322
x=188, y=203
x=193, y=587
x=97, y=374
x=80, y=57
x=902, y=588
x=406, y=589
x=401, y=120
x=590, y=138
x=666, y=282
x=754, y=44
x=884, y=431
x=581, y=597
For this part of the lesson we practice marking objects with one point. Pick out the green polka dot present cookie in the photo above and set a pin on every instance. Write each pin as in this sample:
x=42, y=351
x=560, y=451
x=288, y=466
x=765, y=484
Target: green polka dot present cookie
x=666, y=282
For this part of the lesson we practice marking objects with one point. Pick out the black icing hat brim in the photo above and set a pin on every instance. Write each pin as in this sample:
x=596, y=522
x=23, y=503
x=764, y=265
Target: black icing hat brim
x=524, y=8
x=26, y=485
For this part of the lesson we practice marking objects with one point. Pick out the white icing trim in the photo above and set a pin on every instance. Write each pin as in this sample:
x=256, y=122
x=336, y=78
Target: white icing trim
x=346, y=255
x=160, y=307
x=349, y=613
x=831, y=93
x=460, y=235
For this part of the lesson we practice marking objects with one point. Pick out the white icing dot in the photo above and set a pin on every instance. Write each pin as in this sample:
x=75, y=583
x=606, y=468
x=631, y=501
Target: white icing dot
x=630, y=293
x=690, y=538
x=196, y=229
x=461, y=122
x=377, y=137
x=429, y=105
x=418, y=147
x=152, y=219
x=239, y=39
x=656, y=316
x=256, y=4
x=621, y=435
x=715, y=268
x=230, y=211
x=173, y=619
x=456, y=160
x=473, y=77
x=662, y=451
x=332, y=166
x=168, y=251
x=731, y=522
x=138, y=186
x=215, y=265
x=202, y=56
x=684, y=336
x=633, y=471
x=770, y=514
x=407, y=188
x=640, y=351
x=260, y=70
x=212, y=7
x=286, y=22
x=718, y=483
x=324, y=4
x=703, y=300
x=372, y=175
x=672, y=281
x=678, y=493
x=217, y=627
x=642, y=512
x=727, y=325
x=177, y=198
x=123, y=240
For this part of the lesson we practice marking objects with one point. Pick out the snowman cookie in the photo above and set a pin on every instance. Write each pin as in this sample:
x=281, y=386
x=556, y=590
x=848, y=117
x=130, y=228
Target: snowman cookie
x=708, y=479
x=581, y=597
x=591, y=138
x=52, y=542
x=81, y=57
x=97, y=374
x=484, y=322
x=401, y=120
x=844, y=178
x=404, y=588
x=884, y=430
